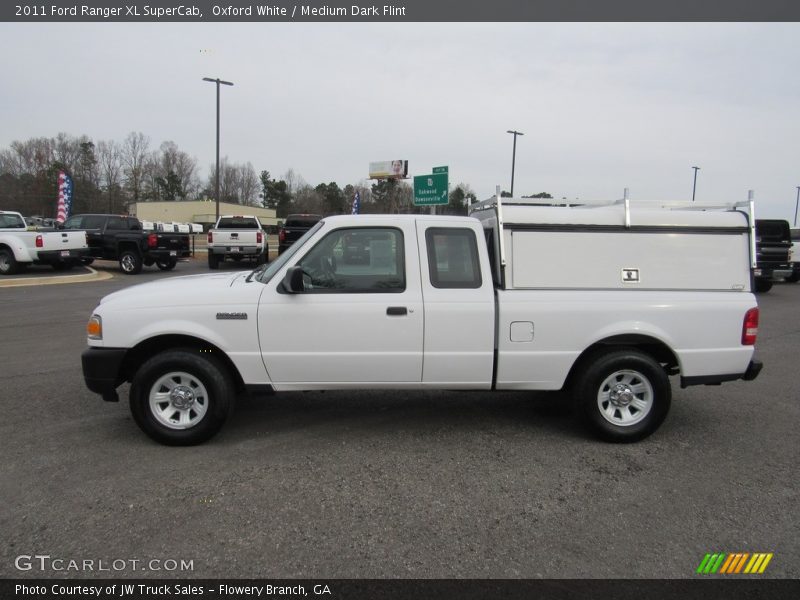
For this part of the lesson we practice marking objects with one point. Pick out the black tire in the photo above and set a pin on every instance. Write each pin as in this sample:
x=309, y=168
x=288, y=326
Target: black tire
x=209, y=387
x=793, y=278
x=8, y=264
x=166, y=265
x=763, y=286
x=213, y=261
x=262, y=259
x=610, y=387
x=149, y=262
x=87, y=261
x=130, y=262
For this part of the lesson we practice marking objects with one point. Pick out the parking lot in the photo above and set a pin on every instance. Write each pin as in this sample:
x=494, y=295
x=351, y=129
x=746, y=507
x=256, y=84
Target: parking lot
x=388, y=484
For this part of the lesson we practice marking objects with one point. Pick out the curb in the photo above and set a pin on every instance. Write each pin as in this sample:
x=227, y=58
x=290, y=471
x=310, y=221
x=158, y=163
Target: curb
x=59, y=279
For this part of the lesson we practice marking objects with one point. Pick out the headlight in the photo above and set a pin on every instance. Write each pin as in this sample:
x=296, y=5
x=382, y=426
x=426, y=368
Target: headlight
x=94, y=328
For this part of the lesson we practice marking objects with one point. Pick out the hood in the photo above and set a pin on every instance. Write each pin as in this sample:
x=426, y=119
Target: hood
x=189, y=290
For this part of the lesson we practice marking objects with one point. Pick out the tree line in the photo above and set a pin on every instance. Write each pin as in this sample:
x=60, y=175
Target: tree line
x=109, y=175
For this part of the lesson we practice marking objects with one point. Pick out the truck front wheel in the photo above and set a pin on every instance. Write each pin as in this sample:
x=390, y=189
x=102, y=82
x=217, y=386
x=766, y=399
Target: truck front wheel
x=130, y=262
x=623, y=395
x=181, y=397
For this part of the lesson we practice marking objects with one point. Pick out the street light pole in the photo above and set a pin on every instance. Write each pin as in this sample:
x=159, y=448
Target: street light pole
x=218, y=81
x=694, y=185
x=797, y=202
x=513, y=157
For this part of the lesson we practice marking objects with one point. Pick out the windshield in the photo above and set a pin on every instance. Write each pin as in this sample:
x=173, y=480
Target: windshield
x=278, y=263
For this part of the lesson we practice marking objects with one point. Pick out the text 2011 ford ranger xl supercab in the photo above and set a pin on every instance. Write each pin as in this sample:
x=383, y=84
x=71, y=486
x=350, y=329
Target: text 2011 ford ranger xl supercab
x=604, y=301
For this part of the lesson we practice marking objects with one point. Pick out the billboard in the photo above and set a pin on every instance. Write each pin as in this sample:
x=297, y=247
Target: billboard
x=388, y=169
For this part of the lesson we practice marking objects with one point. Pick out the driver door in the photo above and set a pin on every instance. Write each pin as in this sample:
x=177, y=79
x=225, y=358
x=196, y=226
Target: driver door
x=359, y=320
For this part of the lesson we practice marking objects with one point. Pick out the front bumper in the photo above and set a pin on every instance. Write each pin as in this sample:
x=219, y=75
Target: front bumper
x=102, y=370
x=753, y=369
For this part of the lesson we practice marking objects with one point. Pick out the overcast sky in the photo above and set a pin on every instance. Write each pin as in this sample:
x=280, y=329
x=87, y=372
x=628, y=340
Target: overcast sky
x=602, y=106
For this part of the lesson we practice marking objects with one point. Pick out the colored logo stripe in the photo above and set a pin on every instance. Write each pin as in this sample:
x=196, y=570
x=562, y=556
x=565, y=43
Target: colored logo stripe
x=734, y=563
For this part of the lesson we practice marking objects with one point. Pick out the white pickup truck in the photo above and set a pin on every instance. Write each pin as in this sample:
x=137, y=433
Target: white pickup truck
x=605, y=302
x=20, y=247
x=236, y=237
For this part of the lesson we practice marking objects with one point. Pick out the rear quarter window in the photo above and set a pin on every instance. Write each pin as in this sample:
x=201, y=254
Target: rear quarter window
x=453, y=258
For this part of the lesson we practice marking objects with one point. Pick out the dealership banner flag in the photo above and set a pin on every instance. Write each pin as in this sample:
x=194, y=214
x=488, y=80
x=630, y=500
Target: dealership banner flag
x=356, y=203
x=64, y=196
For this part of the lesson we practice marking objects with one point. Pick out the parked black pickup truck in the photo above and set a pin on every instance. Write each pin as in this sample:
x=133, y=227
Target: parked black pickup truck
x=773, y=253
x=293, y=229
x=120, y=238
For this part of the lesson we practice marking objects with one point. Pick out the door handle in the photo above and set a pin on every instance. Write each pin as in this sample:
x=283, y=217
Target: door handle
x=396, y=311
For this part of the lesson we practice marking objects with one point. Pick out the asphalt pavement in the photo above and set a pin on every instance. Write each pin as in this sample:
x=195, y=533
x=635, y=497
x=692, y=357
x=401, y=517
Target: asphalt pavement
x=385, y=484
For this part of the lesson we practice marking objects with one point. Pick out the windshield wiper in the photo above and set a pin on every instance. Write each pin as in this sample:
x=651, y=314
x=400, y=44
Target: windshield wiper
x=259, y=269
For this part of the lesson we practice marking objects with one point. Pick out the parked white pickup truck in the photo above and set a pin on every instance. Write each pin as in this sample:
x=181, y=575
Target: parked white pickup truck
x=236, y=237
x=20, y=247
x=603, y=301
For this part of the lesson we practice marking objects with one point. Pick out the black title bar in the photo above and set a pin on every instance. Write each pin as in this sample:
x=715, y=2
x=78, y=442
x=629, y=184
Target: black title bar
x=400, y=11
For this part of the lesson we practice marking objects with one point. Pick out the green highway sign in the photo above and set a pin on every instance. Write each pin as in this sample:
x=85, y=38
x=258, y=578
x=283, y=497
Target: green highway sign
x=439, y=170
x=430, y=190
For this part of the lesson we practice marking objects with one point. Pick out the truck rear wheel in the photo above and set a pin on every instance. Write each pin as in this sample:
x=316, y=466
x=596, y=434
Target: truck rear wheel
x=623, y=395
x=166, y=265
x=181, y=397
x=8, y=264
x=213, y=261
x=130, y=262
x=763, y=286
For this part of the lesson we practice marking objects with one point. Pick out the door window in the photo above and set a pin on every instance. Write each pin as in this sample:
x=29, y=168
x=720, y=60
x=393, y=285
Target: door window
x=356, y=260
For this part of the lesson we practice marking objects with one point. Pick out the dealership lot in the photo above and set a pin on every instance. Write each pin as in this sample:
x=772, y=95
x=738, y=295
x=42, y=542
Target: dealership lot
x=388, y=484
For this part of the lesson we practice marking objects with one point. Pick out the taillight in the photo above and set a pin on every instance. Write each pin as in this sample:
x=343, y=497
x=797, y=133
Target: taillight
x=282, y=235
x=258, y=237
x=39, y=242
x=152, y=240
x=210, y=237
x=750, y=327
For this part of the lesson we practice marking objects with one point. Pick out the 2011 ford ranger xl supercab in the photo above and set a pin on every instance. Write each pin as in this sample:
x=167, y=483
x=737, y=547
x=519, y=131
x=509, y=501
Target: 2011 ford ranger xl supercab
x=545, y=298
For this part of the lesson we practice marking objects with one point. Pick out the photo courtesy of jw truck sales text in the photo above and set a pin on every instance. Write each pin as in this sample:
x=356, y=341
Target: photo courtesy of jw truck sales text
x=635, y=295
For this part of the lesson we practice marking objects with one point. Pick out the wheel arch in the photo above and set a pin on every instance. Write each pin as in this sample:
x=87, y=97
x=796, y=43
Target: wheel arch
x=19, y=254
x=128, y=245
x=145, y=349
x=657, y=349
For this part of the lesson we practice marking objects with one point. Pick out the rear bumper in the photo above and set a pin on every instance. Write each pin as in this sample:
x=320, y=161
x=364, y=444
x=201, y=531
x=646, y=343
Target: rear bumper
x=753, y=369
x=162, y=254
x=102, y=371
x=52, y=257
x=233, y=250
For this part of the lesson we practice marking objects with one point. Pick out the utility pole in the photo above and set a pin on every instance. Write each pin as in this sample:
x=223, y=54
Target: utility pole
x=797, y=202
x=219, y=82
x=694, y=185
x=513, y=157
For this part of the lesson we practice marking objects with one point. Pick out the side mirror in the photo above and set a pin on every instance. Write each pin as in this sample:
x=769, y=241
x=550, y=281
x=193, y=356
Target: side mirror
x=293, y=280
